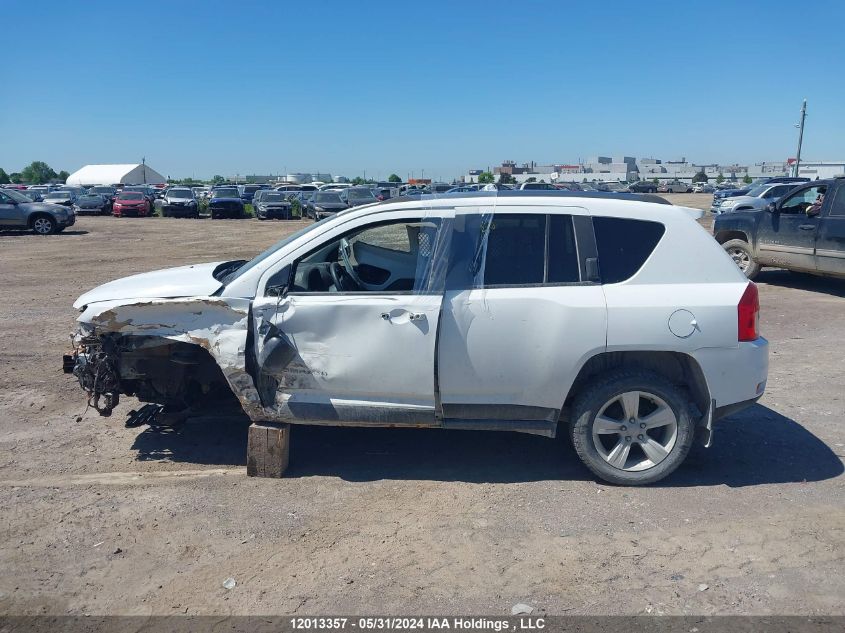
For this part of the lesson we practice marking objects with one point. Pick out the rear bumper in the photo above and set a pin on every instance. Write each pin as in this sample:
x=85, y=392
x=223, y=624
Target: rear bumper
x=736, y=377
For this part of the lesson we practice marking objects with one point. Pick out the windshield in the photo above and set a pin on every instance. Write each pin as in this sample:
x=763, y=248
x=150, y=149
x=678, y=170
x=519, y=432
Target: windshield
x=229, y=192
x=131, y=195
x=280, y=244
x=180, y=193
x=273, y=197
x=251, y=188
x=101, y=190
x=326, y=198
x=17, y=197
x=360, y=194
x=758, y=190
x=58, y=195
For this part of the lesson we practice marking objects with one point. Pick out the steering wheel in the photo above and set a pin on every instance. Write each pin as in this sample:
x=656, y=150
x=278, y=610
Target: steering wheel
x=339, y=277
x=346, y=257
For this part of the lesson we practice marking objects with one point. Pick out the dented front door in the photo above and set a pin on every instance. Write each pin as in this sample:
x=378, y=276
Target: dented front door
x=363, y=357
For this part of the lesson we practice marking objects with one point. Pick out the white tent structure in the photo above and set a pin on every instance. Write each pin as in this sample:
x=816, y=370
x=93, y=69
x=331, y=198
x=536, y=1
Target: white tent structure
x=137, y=174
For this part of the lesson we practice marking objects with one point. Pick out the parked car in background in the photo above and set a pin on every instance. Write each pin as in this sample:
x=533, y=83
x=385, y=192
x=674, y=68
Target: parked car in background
x=17, y=212
x=726, y=192
x=42, y=190
x=247, y=192
x=93, y=203
x=149, y=192
x=323, y=204
x=201, y=193
x=105, y=190
x=226, y=202
x=642, y=186
x=537, y=186
x=130, y=203
x=33, y=194
x=180, y=202
x=756, y=198
x=334, y=186
x=65, y=198
x=272, y=205
x=356, y=196
x=675, y=186
x=804, y=231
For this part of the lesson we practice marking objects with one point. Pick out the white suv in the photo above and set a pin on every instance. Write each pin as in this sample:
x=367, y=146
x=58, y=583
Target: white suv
x=622, y=321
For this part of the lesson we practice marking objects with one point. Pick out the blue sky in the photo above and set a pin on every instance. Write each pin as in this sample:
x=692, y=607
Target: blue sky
x=203, y=88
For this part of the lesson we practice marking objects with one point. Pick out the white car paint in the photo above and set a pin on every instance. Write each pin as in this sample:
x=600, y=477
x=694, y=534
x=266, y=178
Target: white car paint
x=465, y=358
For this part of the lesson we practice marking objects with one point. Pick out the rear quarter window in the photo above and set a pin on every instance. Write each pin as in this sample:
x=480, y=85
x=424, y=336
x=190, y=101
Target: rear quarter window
x=624, y=245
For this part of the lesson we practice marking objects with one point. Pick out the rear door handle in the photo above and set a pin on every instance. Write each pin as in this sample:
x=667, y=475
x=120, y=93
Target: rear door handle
x=807, y=227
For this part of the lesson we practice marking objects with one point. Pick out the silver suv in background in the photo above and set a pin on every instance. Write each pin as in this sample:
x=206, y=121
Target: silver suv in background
x=17, y=212
x=758, y=197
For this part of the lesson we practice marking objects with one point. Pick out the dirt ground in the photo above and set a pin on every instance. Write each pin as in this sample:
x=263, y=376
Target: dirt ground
x=100, y=519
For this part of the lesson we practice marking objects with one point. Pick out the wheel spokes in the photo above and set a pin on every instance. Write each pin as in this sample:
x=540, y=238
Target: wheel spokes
x=654, y=450
x=606, y=426
x=619, y=455
x=663, y=416
x=630, y=404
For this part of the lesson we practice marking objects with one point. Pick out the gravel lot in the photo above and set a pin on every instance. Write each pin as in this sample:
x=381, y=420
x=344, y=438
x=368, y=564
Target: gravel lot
x=106, y=520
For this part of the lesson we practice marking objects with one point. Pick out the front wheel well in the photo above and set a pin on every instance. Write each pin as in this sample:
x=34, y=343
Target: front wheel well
x=681, y=369
x=727, y=236
x=40, y=214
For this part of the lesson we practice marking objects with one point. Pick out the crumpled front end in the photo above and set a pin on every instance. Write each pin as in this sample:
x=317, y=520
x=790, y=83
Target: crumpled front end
x=180, y=353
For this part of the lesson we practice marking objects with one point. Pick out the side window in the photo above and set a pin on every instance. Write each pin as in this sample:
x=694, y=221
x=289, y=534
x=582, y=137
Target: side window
x=624, y=245
x=563, y=254
x=801, y=200
x=387, y=257
x=516, y=246
x=514, y=249
x=837, y=207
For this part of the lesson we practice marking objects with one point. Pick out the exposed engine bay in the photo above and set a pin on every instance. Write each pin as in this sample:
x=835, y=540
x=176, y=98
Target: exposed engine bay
x=176, y=375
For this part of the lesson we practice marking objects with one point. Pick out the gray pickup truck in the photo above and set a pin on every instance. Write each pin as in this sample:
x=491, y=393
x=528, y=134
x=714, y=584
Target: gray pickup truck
x=803, y=231
x=18, y=212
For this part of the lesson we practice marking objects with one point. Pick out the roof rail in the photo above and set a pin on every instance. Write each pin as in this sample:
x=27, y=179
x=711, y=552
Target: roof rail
x=538, y=193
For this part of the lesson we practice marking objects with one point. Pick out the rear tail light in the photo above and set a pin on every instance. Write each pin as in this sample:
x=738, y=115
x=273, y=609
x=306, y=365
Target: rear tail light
x=748, y=314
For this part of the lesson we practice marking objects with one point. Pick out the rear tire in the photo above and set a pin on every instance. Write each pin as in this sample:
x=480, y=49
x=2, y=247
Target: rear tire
x=740, y=252
x=607, y=427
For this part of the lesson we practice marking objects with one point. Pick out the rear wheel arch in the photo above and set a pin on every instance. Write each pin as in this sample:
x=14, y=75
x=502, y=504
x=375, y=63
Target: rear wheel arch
x=679, y=368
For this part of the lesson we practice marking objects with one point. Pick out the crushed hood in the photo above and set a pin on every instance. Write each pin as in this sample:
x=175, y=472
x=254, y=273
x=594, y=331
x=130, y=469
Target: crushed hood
x=183, y=281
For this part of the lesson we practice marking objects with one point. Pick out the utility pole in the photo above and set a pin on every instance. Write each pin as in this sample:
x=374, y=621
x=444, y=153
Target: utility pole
x=144, y=167
x=800, y=127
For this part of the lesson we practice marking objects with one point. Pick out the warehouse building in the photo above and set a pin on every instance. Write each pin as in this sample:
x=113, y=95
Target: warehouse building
x=132, y=174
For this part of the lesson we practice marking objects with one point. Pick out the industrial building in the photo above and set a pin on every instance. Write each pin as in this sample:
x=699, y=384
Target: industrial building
x=130, y=174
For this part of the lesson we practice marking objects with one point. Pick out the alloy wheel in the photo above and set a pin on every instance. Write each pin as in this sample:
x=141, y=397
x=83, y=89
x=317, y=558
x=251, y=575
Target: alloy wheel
x=635, y=431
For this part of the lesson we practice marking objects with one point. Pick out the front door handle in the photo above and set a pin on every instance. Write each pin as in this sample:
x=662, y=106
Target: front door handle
x=403, y=317
x=807, y=227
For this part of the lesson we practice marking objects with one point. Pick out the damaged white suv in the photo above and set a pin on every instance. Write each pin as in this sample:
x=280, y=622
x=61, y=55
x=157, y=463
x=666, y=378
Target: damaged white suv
x=511, y=311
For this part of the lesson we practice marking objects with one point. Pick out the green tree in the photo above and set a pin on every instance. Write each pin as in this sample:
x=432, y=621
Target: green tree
x=360, y=181
x=531, y=179
x=4, y=177
x=486, y=178
x=393, y=178
x=38, y=172
x=505, y=179
x=218, y=180
x=63, y=175
x=747, y=179
x=655, y=180
x=720, y=178
x=699, y=177
x=16, y=177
